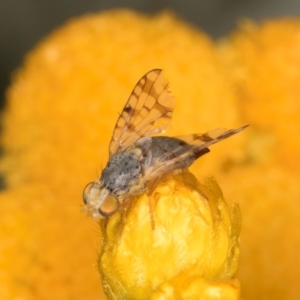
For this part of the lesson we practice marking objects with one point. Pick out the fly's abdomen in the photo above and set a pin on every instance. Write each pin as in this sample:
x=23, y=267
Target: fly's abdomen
x=181, y=153
x=166, y=148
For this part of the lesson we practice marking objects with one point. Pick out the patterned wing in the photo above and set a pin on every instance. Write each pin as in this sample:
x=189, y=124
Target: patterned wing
x=186, y=150
x=200, y=141
x=148, y=111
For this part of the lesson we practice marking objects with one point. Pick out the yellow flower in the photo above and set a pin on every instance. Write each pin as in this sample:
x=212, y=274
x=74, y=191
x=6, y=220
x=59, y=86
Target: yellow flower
x=263, y=63
x=62, y=106
x=195, y=240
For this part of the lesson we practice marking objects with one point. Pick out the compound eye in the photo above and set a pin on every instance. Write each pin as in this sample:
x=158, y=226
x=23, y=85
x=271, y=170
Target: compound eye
x=109, y=206
x=86, y=192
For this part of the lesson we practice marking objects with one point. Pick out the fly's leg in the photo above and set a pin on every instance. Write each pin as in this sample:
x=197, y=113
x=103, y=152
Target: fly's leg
x=119, y=225
x=151, y=188
x=192, y=182
x=151, y=212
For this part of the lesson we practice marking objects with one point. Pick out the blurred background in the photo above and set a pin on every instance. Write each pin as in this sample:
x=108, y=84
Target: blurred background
x=33, y=262
x=25, y=22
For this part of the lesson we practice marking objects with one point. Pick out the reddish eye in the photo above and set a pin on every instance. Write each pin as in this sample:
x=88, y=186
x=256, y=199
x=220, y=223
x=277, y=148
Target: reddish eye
x=86, y=191
x=109, y=206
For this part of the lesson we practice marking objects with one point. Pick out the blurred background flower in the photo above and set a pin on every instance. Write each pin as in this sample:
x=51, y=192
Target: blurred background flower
x=59, y=118
x=24, y=23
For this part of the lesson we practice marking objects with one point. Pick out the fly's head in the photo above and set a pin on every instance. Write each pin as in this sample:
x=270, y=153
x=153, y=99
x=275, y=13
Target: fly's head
x=99, y=201
x=121, y=175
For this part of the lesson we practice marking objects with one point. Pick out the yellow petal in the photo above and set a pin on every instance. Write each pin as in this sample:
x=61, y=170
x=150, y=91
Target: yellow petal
x=195, y=233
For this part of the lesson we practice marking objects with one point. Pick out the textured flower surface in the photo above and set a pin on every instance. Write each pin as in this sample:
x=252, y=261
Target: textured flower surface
x=195, y=240
x=264, y=64
x=61, y=110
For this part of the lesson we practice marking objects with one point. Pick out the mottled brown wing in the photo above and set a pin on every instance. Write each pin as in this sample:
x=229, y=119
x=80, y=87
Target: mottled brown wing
x=148, y=111
x=201, y=141
x=199, y=146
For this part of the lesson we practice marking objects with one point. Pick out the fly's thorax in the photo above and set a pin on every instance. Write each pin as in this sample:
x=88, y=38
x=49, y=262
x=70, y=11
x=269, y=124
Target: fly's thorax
x=123, y=170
